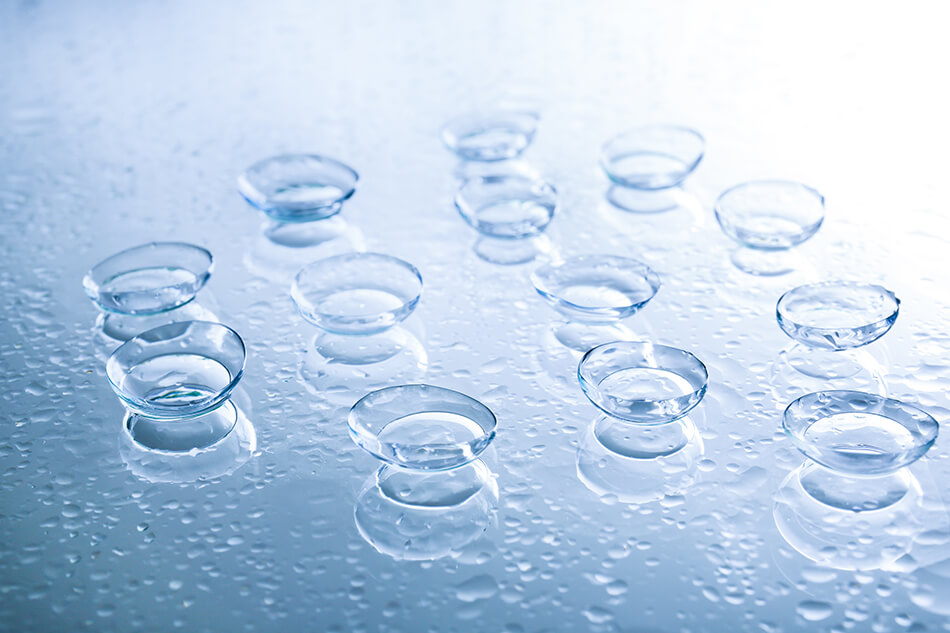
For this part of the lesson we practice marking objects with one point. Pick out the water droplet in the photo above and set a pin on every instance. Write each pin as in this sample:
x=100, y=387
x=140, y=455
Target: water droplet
x=814, y=610
x=476, y=588
x=598, y=615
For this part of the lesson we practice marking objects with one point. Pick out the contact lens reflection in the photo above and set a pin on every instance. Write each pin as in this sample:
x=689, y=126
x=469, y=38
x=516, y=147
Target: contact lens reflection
x=633, y=464
x=843, y=538
x=335, y=366
x=218, y=460
x=411, y=515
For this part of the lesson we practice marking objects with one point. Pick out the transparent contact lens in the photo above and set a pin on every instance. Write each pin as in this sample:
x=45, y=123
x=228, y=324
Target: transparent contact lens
x=149, y=279
x=177, y=371
x=652, y=157
x=642, y=383
x=837, y=315
x=508, y=206
x=298, y=187
x=491, y=135
x=596, y=288
x=357, y=293
x=422, y=427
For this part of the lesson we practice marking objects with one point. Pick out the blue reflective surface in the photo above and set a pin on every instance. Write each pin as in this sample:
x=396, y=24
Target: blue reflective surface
x=124, y=123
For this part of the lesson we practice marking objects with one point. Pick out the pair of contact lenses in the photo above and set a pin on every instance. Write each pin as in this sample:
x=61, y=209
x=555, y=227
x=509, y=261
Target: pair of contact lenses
x=635, y=382
x=859, y=442
x=500, y=202
x=514, y=206
x=417, y=427
x=176, y=379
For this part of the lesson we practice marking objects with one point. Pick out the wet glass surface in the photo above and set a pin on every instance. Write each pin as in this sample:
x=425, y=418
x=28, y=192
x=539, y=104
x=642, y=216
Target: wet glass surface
x=129, y=123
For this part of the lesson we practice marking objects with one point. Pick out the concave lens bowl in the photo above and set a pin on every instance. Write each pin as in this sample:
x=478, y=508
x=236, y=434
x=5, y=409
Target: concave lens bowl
x=596, y=288
x=177, y=371
x=490, y=136
x=859, y=434
x=357, y=293
x=507, y=205
x=149, y=279
x=421, y=427
x=652, y=157
x=642, y=383
x=298, y=187
x=770, y=214
x=837, y=315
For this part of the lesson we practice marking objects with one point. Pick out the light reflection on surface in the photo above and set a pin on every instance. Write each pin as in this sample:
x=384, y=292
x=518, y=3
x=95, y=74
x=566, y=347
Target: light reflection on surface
x=131, y=124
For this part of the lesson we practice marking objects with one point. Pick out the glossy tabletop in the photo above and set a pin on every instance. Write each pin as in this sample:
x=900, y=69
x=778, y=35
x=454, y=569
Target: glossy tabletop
x=126, y=123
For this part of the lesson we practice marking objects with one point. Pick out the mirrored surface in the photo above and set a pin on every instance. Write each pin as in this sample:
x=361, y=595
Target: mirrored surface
x=126, y=123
